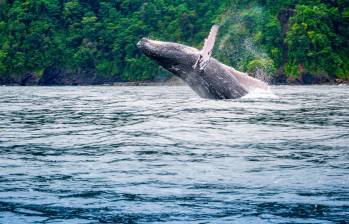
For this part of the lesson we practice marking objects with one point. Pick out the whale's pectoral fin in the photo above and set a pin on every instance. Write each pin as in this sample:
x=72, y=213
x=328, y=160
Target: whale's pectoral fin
x=206, y=52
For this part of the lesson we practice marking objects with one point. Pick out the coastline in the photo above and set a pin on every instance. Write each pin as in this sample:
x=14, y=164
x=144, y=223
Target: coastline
x=68, y=78
x=154, y=84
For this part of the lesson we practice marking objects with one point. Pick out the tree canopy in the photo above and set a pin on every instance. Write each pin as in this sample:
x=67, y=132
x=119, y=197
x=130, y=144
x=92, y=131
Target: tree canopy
x=292, y=37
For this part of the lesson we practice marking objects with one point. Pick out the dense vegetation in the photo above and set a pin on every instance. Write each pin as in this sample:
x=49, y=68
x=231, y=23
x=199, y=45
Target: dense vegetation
x=291, y=37
x=288, y=37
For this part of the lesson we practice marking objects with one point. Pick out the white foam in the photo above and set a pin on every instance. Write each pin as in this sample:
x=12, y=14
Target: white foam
x=260, y=93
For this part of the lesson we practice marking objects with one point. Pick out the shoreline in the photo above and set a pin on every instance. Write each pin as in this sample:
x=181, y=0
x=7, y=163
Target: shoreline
x=155, y=84
x=56, y=80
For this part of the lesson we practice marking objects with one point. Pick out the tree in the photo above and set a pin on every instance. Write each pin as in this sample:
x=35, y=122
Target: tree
x=312, y=41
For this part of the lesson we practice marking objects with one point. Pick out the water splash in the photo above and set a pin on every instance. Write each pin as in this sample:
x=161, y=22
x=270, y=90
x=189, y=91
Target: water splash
x=262, y=75
x=237, y=46
x=251, y=49
x=260, y=93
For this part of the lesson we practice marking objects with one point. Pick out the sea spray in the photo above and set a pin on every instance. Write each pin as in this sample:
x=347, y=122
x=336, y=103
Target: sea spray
x=237, y=43
x=260, y=93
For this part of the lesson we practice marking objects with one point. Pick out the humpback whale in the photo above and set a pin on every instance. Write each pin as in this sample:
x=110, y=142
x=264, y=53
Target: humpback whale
x=208, y=77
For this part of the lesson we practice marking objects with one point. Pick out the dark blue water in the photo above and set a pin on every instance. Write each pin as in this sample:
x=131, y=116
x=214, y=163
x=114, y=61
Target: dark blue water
x=161, y=154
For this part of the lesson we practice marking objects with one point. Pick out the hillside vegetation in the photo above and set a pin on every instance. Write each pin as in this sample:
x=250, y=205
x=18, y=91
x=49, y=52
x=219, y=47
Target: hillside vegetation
x=91, y=42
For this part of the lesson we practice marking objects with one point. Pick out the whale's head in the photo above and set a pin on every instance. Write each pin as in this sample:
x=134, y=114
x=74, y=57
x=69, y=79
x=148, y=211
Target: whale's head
x=176, y=58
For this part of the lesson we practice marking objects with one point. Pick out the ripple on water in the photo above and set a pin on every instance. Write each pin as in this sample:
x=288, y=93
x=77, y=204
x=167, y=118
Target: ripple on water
x=161, y=154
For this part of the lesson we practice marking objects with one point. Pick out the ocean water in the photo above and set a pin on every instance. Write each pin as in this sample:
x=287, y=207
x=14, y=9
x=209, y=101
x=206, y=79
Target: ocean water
x=164, y=155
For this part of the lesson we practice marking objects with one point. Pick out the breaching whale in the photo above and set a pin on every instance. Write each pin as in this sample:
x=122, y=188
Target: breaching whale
x=208, y=77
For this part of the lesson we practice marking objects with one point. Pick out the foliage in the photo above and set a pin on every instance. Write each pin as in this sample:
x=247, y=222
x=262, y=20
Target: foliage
x=97, y=35
x=101, y=36
x=314, y=43
x=299, y=36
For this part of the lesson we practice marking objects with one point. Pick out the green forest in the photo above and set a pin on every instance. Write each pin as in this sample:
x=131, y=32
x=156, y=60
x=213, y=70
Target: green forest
x=94, y=42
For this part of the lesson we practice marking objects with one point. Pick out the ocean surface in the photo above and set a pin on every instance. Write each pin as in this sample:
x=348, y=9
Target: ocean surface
x=162, y=154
